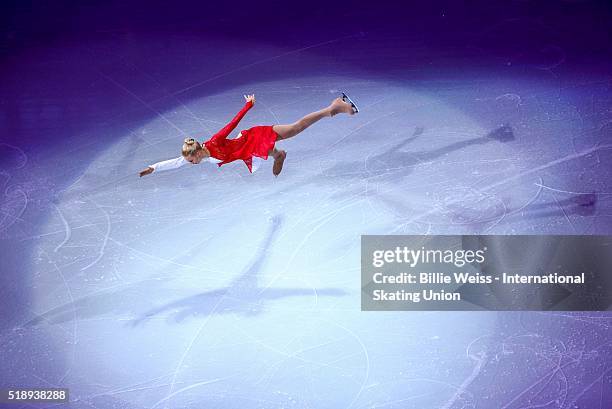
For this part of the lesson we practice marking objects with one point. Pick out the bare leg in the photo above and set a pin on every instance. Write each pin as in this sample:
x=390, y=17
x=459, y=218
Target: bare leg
x=274, y=153
x=288, y=131
x=279, y=158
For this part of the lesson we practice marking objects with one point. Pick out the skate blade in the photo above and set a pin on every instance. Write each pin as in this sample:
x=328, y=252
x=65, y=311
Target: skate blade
x=346, y=98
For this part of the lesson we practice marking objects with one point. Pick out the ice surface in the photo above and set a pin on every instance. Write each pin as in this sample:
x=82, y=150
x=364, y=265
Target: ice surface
x=207, y=287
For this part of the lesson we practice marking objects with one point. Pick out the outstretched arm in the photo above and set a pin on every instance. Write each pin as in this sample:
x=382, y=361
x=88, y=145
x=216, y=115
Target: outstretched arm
x=225, y=131
x=164, y=165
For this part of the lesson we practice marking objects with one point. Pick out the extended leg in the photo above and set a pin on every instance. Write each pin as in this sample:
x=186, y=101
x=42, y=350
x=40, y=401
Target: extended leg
x=336, y=107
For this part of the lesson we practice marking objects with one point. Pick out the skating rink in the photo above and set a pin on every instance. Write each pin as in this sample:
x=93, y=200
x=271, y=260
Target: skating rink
x=211, y=287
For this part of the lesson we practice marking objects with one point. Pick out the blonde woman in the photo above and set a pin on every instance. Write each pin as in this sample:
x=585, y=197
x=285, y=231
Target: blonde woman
x=256, y=142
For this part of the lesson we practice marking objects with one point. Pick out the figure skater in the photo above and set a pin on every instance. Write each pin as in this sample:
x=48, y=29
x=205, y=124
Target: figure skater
x=256, y=142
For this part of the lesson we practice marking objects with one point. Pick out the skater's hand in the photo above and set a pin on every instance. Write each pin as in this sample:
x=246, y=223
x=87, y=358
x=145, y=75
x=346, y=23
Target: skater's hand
x=146, y=171
x=250, y=98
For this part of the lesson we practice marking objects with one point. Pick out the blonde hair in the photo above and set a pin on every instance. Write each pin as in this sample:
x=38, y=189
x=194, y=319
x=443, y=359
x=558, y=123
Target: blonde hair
x=190, y=146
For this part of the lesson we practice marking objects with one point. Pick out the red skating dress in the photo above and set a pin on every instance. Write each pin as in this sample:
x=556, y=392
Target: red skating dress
x=256, y=141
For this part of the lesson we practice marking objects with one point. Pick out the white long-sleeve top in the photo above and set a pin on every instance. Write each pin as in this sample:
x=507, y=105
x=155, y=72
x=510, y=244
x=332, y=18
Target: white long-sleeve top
x=181, y=161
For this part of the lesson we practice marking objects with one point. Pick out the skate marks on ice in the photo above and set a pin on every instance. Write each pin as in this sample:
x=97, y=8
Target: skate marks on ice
x=244, y=295
x=471, y=203
x=13, y=198
x=393, y=162
x=565, y=368
x=380, y=175
x=489, y=209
